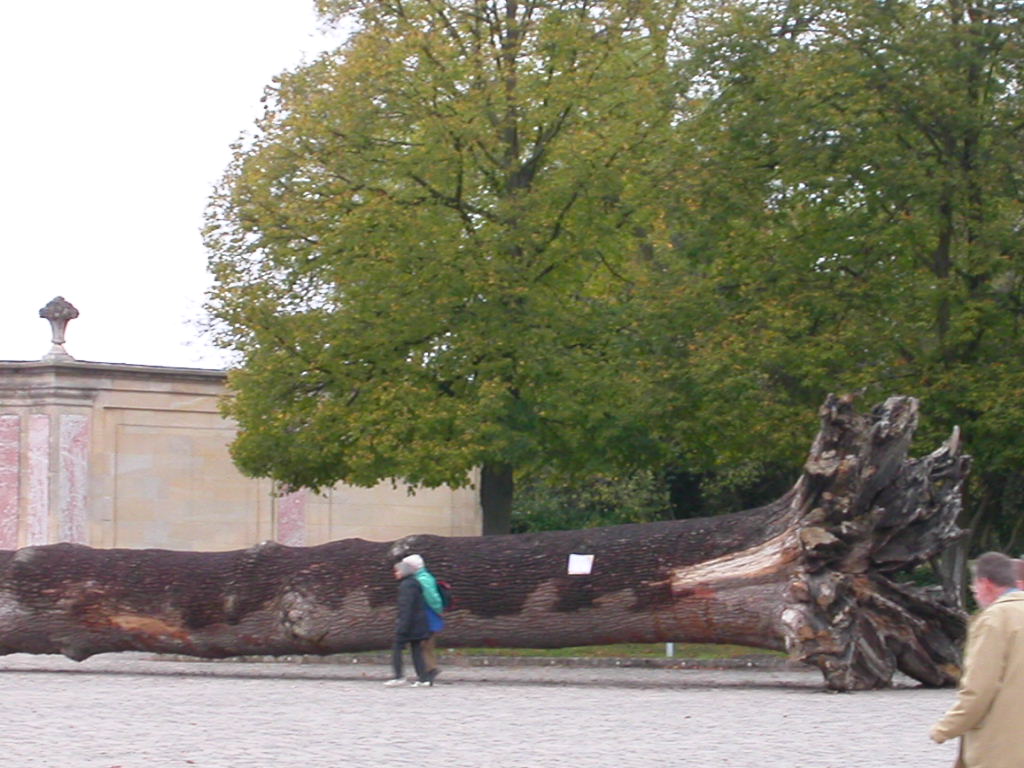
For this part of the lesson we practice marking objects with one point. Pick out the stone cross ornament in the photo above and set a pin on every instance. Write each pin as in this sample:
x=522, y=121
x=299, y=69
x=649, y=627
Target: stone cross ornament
x=59, y=311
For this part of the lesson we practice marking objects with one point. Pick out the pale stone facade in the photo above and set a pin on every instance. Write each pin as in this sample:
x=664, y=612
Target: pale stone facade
x=114, y=455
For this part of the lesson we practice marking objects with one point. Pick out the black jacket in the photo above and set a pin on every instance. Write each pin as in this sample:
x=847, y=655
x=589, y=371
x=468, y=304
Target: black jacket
x=412, y=611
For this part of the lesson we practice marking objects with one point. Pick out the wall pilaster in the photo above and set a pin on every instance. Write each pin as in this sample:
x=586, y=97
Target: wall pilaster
x=10, y=484
x=72, y=477
x=36, y=474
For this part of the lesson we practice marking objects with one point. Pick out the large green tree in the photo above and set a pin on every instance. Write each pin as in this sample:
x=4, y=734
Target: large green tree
x=852, y=220
x=594, y=237
x=424, y=258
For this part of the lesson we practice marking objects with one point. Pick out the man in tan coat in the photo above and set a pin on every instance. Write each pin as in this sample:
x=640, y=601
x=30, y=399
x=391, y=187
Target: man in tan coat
x=987, y=712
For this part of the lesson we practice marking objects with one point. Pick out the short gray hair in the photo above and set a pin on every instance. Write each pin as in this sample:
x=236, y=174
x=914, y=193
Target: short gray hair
x=997, y=568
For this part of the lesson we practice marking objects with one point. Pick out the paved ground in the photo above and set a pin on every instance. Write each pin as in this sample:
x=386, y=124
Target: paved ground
x=132, y=711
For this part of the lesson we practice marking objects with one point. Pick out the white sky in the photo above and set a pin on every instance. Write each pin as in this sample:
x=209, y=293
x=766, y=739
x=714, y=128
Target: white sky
x=116, y=122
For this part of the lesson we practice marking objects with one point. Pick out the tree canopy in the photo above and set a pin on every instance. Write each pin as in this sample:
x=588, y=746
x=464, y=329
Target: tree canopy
x=423, y=257
x=579, y=238
x=859, y=167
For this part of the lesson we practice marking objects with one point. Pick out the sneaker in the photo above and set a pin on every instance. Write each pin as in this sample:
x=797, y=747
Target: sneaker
x=395, y=682
x=422, y=683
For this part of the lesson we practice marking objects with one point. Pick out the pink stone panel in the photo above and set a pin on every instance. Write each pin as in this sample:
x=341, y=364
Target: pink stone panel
x=10, y=468
x=73, y=475
x=38, y=480
x=291, y=519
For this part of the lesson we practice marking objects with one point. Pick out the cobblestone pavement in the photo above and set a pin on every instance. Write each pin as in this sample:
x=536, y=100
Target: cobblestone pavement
x=135, y=711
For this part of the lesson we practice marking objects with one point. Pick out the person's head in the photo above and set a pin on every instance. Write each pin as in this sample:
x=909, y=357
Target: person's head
x=994, y=573
x=403, y=569
x=415, y=561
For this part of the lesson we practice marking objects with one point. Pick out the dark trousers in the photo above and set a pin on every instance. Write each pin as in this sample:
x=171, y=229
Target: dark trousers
x=416, y=647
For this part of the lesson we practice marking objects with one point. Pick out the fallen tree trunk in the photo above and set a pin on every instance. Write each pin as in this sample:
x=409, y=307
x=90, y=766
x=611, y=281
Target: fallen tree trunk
x=815, y=572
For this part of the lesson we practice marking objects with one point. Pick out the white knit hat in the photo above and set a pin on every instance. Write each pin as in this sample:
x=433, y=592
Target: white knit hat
x=414, y=560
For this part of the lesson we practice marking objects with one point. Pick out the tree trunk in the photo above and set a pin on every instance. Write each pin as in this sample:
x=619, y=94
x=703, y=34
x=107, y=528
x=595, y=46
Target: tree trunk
x=815, y=572
x=497, y=486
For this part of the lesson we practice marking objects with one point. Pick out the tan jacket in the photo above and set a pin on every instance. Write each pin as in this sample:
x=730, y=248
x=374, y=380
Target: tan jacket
x=989, y=709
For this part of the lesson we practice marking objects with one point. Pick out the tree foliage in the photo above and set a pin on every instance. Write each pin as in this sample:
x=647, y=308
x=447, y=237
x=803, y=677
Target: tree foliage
x=423, y=257
x=547, y=503
x=857, y=178
x=580, y=239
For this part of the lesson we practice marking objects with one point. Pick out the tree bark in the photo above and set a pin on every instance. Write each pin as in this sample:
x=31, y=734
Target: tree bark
x=817, y=572
x=497, y=486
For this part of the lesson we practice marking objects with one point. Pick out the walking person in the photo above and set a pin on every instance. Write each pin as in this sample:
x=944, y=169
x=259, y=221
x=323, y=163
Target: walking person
x=410, y=626
x=435, y=607
x=986, y=714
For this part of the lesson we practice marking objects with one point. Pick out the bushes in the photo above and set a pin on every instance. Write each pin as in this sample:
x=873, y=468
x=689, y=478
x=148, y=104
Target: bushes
x=548, y=503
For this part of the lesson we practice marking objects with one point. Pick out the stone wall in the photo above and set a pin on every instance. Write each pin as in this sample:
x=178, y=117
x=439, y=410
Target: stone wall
x=136, y=456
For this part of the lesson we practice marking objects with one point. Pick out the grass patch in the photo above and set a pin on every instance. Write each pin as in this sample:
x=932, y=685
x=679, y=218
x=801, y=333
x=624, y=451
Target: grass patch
x=621, y=650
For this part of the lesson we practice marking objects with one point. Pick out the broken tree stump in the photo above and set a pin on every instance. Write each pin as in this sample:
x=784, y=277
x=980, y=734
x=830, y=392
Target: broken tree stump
x=816, y=572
